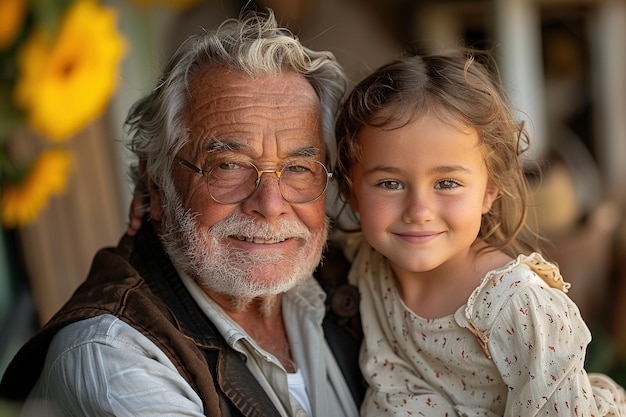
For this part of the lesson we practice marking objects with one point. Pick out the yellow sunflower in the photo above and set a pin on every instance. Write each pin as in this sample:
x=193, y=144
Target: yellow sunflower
x=12, y=13
x=65, y=83
x=22, y=202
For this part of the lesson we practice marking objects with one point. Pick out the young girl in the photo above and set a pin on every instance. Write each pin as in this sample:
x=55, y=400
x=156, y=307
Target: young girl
x=461, y=314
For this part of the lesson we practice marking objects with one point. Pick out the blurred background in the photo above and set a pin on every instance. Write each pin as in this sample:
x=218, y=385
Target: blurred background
x=70, y=69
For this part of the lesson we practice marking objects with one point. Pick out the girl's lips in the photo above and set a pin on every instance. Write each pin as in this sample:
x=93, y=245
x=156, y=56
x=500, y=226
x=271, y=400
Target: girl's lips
x=421, y=237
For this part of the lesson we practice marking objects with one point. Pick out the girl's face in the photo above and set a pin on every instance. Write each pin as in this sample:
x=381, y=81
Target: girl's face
x=420, y=191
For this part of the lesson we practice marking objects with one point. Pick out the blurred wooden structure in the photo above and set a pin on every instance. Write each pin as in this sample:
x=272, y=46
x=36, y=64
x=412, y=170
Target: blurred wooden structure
x=58, y=247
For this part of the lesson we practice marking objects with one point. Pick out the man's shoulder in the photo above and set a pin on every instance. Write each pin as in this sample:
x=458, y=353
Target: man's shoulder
x=104, y=329
x=102, y=336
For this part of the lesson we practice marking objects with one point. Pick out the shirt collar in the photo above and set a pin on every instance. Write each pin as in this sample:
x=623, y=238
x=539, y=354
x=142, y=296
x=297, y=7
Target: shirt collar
x=308, y=298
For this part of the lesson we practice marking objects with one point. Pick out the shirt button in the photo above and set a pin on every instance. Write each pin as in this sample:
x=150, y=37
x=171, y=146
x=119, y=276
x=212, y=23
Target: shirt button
x=301, y=413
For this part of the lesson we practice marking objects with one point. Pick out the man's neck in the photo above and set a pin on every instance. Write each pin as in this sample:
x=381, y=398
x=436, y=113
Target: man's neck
x=262, y=320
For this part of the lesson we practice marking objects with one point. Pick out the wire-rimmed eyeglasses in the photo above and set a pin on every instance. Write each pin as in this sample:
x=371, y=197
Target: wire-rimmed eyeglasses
x=231, y=182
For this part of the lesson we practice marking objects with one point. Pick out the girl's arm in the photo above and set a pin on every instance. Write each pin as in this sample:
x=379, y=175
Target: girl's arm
x=539, y=343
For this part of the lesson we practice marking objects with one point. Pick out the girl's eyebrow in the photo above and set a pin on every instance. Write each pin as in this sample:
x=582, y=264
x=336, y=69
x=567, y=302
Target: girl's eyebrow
x=443, y=169
x=383, y=168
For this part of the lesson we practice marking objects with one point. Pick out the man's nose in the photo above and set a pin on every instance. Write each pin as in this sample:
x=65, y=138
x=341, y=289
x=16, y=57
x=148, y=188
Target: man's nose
x=267, y=200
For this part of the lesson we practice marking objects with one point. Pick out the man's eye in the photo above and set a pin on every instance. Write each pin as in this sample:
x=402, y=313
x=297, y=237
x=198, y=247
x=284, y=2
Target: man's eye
x=447, y=184
x=297, y=168
x=391, y=185
x=228, y=166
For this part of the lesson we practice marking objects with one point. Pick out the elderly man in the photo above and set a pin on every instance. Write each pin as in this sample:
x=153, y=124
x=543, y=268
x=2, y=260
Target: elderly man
x=211, y=309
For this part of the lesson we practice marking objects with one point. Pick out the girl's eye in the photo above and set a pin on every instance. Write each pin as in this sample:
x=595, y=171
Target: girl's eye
x=391, y=185
x=446, y=184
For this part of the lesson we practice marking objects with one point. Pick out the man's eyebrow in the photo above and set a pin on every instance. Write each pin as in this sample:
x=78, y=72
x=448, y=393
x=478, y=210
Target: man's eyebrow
x=305, y=151
x=216, y=145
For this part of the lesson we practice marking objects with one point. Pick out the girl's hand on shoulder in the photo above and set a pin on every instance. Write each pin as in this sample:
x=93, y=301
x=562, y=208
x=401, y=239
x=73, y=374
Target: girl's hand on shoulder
x=135, y=215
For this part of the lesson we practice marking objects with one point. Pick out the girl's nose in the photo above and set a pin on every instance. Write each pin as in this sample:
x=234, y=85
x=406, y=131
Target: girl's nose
x=418, y=208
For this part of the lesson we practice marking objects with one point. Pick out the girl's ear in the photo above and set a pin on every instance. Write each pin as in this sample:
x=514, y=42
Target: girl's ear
x=490, y=196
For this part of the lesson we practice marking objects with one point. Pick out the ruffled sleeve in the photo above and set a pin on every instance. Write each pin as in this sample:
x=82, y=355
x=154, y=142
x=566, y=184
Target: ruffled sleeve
x=536, y=337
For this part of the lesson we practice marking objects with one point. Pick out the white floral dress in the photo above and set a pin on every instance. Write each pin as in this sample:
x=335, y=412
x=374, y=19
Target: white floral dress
x=517, y=348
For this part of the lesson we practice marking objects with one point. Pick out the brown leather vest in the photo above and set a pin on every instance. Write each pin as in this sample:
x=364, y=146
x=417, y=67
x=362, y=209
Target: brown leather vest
x=137, y=283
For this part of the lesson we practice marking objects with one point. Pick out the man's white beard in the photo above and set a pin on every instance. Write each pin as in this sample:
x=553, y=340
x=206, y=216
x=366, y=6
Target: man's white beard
x=243, y=275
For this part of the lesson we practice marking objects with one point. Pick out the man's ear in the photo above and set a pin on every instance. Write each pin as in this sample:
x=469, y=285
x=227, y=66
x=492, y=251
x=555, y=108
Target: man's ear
x=491, y=194
x=155, y=209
